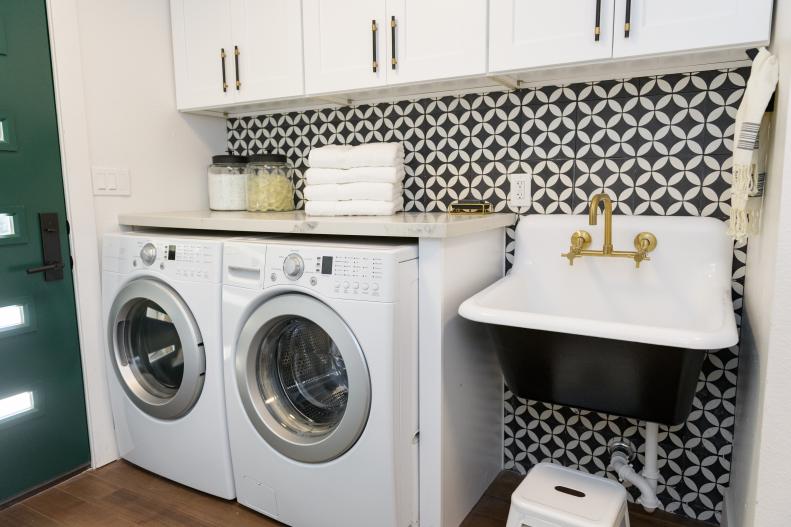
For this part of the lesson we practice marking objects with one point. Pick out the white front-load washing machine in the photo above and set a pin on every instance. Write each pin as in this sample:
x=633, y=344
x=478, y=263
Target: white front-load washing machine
x=320, y=342
x=162, y=297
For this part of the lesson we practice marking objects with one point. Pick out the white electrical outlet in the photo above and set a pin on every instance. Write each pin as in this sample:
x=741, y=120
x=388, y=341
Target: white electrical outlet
x=520, y=193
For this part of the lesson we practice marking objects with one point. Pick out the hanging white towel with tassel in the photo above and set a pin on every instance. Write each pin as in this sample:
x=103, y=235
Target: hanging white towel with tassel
x=760, y=87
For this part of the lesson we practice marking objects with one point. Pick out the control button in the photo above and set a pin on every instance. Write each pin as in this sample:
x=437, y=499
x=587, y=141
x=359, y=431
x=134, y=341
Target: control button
x=375, y=286
x=346, y=285
x=134, y=263
x=273, y=277
x=162, y=266
x=293, y=266
x=356, y=285
x=148, y=253
x=365, y=286
x=313, y=280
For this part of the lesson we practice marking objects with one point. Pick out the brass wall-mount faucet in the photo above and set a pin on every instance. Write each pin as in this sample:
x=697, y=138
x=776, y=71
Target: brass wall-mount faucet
x=644, y=242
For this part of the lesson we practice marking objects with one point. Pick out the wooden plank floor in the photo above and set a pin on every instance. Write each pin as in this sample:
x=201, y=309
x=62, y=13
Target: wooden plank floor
x=122, y=495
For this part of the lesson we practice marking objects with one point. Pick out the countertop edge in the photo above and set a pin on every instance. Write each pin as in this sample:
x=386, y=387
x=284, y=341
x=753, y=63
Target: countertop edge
x=318, y=225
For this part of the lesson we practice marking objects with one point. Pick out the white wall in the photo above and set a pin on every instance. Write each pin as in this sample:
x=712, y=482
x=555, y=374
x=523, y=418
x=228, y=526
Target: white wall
x=761, y=471
x=132, y=121
x=113, y=70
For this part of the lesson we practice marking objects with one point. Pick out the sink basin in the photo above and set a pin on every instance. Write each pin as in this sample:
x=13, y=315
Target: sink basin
x=602, y=334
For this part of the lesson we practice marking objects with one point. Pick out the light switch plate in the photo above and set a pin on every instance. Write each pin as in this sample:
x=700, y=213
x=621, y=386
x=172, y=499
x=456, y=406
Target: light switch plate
x=110, y=181
x=520, y=193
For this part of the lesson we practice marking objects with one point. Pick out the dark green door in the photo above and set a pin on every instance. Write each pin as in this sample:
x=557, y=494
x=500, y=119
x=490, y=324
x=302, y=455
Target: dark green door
x=43, y=427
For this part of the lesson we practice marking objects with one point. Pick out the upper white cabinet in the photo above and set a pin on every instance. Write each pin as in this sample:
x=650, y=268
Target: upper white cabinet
x=435, y=39
x=269, y=36
x=344, y=44
x=201, y=45
x=236, y=51
x=667, y=26
x=234, y=55
x=534, y=33
x=357, y=44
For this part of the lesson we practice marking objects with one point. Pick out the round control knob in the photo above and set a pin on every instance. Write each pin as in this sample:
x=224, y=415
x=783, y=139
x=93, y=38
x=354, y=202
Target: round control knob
x=375, y=286
x=293, y=266
x=148, y=253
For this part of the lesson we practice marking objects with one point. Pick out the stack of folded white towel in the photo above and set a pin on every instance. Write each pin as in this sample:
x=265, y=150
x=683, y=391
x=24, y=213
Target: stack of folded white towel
x=365, y=180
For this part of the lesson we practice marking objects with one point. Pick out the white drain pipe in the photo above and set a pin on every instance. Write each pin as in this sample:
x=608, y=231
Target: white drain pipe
x=645, y=482
x=650, y=470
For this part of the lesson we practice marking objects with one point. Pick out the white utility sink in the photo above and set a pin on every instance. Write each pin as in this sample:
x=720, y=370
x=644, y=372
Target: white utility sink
x=603, y=334
x=680, y=297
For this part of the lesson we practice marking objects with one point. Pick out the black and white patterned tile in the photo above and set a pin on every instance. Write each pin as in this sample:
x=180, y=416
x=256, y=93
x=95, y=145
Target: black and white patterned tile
x=657, y=145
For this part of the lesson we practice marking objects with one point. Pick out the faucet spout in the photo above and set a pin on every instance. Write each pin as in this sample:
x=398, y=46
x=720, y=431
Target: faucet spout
x=593, y=220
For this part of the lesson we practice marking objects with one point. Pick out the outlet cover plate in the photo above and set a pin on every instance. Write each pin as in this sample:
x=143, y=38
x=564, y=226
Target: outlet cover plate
x=520, y=192
x=110, y=181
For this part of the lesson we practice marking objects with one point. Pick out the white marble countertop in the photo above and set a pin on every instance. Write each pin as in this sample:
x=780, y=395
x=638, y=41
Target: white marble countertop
x=402, y=225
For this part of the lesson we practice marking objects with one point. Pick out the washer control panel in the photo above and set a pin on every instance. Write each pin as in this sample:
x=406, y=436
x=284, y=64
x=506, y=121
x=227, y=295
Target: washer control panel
x=180, y=259
x=356, y=274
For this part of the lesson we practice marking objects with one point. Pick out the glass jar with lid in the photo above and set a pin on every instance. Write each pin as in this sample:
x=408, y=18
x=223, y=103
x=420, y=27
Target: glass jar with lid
x=227, y=183
x=269, y=183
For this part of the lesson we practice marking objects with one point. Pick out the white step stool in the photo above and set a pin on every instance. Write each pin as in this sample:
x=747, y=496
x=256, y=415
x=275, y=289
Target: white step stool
x=556, y=496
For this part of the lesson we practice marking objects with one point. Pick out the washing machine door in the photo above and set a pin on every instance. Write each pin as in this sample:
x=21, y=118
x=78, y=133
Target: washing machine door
x=156, y=349
x=302, y=378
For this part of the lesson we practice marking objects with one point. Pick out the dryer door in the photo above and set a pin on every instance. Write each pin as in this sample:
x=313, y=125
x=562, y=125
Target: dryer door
x=156, y=349
x=302, y=378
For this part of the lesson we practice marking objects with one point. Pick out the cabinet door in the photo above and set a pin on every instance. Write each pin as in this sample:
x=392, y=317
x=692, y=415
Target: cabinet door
x=201, y=31
x=667, y=26
x=435, y=39
x=535, y=33
x=341, y=50
x=267, y=35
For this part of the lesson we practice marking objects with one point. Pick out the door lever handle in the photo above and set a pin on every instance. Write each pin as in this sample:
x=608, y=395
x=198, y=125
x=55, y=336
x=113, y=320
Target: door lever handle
x=56, y=266
x=49, y=228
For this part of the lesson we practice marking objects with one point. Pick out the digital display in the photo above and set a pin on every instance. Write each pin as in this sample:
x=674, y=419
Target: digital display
x=171, y=252
x=326, y=265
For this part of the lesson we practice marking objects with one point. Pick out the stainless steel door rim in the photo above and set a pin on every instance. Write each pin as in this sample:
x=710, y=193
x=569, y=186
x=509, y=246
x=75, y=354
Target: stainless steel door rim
x=143, y=388
x=302, y=438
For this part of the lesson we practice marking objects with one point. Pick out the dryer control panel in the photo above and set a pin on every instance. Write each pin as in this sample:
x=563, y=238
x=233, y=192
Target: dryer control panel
x=357, y=274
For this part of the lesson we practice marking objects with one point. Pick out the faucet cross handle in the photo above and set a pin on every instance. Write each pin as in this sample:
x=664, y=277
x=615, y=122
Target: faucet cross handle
x=644, y=242
x=580, y=240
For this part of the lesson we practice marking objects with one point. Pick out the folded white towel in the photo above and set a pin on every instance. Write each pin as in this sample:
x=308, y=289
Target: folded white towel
x=354, y=208
x=350, y=191
x=368, y=155
x=324, y=176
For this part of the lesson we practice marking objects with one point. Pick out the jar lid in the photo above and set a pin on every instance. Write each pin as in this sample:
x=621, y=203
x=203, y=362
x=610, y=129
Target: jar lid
x=268, y=158
x=226, y=159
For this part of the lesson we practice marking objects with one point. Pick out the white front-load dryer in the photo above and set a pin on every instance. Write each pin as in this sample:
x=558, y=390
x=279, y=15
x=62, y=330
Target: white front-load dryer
x=161, y=298
x=320, y=343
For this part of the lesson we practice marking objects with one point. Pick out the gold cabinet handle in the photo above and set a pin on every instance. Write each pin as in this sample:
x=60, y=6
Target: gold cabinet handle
x=597, y=28
x=393, y=59
x=236, y=54
x=222, y=66
x=374, y=63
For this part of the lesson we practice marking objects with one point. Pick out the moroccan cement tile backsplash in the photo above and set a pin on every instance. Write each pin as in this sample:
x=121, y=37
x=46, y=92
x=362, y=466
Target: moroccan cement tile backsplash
x=657, y=145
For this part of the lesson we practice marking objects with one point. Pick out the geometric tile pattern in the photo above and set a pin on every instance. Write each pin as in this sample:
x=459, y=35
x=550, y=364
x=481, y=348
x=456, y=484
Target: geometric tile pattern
x=656, y=145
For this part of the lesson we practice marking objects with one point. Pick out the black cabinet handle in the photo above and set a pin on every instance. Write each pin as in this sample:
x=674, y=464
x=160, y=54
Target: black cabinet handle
x=597, y=28
x=236, y=54
x=393, y=60
x=627, y=25
x=222, y=65
x=374, y=64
